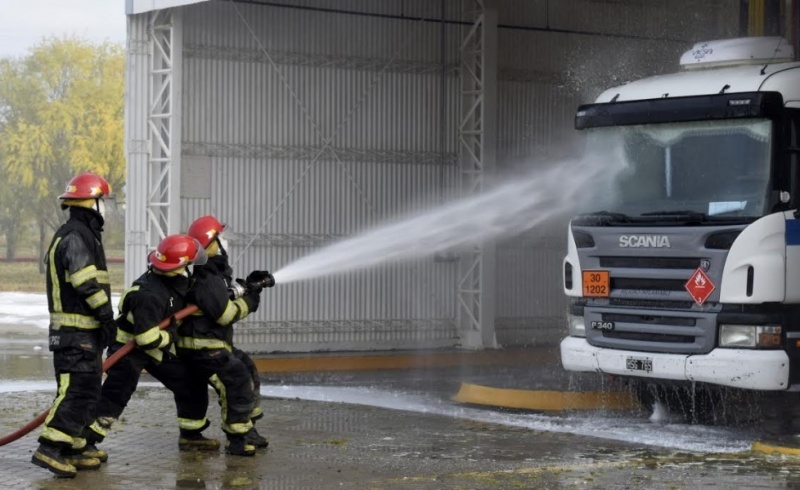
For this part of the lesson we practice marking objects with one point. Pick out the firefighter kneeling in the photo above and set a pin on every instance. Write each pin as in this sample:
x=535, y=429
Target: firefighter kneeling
x=157, y=294
x=205, y=339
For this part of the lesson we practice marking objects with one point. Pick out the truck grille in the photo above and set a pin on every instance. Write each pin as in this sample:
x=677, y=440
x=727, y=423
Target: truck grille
x=649, y=308
x=651, y=303
x=688, y=263
x=649, y=337
x=650, y=319
x=678, y=331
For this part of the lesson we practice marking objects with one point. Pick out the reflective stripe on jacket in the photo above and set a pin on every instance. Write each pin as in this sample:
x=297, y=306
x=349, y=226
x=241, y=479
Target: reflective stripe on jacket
x=78, y=288
x=150, y=299
x=211, y=327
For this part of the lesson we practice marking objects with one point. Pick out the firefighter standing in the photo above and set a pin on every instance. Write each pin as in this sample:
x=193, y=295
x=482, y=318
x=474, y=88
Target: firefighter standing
x=158, y=294
x=81, y=326
x=206, y=339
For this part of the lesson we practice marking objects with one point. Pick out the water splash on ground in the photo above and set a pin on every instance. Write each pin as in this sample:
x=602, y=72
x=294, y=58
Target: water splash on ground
x=620, y=428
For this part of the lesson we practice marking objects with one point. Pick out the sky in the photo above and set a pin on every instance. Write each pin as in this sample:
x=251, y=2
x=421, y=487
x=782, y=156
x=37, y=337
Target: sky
x=23, y=23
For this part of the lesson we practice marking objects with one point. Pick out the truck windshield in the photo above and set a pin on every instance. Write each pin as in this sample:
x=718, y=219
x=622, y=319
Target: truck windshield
x=708, y=168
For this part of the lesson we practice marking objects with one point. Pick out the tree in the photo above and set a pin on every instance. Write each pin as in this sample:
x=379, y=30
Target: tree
x=13, y=217
x=61, y=112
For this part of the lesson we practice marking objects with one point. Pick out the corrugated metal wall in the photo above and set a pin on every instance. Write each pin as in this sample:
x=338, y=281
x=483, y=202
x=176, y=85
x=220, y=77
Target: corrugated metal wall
x=302, y=125
x=311, y=126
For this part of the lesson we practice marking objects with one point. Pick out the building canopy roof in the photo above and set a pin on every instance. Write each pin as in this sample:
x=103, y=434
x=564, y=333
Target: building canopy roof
x=141, y=6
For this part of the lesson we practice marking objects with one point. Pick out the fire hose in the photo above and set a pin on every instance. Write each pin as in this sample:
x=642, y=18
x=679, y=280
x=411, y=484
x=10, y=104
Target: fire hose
x=110, y=361
x=256, y=281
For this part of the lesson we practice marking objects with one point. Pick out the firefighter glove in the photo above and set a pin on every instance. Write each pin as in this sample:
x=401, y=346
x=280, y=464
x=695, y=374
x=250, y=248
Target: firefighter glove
x=108, y=332
x=251, y=296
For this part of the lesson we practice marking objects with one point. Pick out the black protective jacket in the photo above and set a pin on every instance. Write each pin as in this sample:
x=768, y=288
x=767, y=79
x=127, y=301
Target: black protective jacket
x=212, y=326
x=151, y=298
x=78, y=286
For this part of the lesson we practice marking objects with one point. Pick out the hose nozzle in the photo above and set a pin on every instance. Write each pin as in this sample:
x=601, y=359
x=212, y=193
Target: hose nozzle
x=260, y=279
x=256, y=281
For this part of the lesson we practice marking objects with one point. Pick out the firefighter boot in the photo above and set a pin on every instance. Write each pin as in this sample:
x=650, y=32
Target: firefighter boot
x=52, y=458
x=256, y=439
x=86, y=448
x=237, y=445
x=91, y=451
x=79, y=459
x=193, y=440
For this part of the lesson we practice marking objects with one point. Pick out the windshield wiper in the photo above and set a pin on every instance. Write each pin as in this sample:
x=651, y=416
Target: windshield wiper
x=607, y=217
x=680, y=215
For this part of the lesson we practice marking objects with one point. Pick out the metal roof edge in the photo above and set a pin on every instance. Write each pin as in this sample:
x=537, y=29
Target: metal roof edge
x=140, y=6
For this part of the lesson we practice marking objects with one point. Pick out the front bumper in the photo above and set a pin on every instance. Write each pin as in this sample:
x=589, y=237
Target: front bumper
x=738, y=368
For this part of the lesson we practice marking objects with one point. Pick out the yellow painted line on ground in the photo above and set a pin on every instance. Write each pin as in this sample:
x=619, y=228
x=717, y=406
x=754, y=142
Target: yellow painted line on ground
x=415, y=360
x=767, y=448
x=544, y=400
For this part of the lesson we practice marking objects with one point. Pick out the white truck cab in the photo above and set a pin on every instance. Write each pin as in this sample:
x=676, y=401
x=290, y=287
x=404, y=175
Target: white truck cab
x=687, y=270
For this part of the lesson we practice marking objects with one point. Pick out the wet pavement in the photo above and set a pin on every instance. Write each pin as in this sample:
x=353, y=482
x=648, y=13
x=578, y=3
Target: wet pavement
x=384, y=429
x=315, y=444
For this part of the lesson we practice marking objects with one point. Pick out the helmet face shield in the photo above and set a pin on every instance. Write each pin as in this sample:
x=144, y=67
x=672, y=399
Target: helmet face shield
x=202, y=257
x=223, y=239
x=111, y=204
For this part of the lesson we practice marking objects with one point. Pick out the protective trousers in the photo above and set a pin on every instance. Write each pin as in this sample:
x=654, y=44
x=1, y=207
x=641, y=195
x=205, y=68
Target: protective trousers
x=189, y=389
x=78, y=374
x=231, y=379
x=256, y=413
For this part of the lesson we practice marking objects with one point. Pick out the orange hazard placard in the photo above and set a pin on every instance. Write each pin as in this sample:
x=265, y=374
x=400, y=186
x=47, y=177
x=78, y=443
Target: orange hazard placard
x=596, y=284
x=699, y=286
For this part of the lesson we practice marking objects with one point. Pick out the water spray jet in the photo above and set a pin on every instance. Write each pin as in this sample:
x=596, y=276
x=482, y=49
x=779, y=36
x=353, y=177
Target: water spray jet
x=518, y=205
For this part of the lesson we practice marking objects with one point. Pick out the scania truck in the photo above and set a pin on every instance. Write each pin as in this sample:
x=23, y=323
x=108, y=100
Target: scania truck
x=685, y=272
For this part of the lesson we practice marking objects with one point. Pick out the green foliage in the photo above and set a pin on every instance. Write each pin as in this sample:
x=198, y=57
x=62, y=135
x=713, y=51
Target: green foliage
x=61, y=113
x=13, y=217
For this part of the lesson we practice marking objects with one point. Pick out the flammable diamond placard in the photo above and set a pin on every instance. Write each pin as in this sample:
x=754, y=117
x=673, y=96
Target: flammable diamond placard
x=699, y=286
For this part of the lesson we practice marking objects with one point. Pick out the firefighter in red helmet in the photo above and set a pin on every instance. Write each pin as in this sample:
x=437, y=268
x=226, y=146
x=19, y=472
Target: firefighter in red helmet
x=157, y=294
x=81, y=325
x=205, y=340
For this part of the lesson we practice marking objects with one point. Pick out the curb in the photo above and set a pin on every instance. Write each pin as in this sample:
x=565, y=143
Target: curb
x=407, y=360
x=768, y=448
x=545, y=400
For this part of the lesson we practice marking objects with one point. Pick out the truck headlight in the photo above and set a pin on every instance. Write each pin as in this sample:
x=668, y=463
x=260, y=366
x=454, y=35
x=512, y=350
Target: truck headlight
x=751, y=336
x=576, y=326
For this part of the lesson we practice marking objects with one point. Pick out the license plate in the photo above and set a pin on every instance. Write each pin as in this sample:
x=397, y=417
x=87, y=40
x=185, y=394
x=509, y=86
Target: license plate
x=596, y=284
x=639, y=364
x=601, y=325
